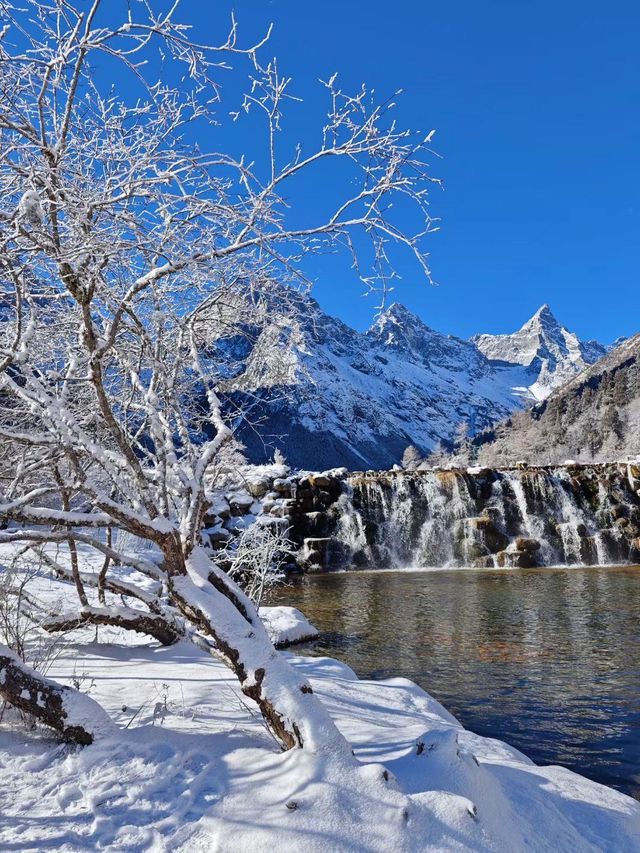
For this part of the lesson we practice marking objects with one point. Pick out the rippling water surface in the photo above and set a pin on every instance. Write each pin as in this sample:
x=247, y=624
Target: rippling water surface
x=546, y=659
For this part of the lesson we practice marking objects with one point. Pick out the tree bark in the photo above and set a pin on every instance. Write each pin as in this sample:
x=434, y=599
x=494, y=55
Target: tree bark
x=73, y=714
x=151, y=624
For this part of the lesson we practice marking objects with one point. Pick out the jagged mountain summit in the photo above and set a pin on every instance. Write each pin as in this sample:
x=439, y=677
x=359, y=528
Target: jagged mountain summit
x=549, y=350
x=594, y=417
x=358, y=399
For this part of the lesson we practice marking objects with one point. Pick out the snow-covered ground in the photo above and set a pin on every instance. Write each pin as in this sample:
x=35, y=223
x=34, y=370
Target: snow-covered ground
x=192, y=768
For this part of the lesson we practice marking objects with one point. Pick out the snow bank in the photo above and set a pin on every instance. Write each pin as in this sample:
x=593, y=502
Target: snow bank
x=194, y=771
x=287, y=625
x=186, y=767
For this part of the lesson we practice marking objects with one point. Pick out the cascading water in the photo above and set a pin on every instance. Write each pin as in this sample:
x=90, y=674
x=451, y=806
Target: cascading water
x=565, y=515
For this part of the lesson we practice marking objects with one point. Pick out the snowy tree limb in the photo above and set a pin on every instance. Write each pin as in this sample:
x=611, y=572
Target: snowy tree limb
x=73, y=714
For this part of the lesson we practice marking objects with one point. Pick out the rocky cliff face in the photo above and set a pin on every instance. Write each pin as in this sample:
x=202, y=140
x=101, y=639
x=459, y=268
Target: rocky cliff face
x=520, y=517
x=593, y=417
x=358, y=399
x=513, y=518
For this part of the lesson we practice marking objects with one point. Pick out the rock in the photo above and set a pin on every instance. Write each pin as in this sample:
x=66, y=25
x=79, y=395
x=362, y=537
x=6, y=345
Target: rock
x=476, y=551
x=218, y=534
x=240, y=503
x=237, y=523
x=280, y=525
x=311, y=562
x=588, y=550
x=515, y=560
x=283, y=508
x=286, y=626
x=314, y=553
x=484, y=563
x=529, y=545
x=315, y=520
x=282, y=487
x=493, y=538
x=220, y=507
x=259, y=488
x=320, y=480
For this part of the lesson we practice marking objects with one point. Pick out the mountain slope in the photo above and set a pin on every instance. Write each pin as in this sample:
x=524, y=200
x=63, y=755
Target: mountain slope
x=358, y=399
x=593, y=417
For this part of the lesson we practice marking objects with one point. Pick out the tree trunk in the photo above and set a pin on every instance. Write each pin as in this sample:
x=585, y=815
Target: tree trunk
x=222, y=611
x=73, y=714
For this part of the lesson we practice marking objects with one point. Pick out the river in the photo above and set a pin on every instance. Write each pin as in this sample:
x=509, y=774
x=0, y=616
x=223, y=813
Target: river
x=545, y=659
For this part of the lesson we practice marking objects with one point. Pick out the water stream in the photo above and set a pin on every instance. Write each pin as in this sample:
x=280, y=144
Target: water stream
x=546, y=659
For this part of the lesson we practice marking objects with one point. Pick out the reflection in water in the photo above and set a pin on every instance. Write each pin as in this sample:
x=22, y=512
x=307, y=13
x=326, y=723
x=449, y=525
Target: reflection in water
x=546, y=659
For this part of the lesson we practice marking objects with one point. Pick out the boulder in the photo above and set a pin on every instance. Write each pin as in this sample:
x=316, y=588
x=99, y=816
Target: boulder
x=515, y=560
x=282, y=487
x=493, y=538
x=484, y=563
x=218, y=536
x=240, y=503
x=529, y=545
x=314, y=553
x=259, y=488
x=476, y=551
x=320, y=481
x=219, y=507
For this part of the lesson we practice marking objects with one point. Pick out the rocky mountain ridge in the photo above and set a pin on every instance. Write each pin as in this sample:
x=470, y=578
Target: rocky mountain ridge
x=358, y=399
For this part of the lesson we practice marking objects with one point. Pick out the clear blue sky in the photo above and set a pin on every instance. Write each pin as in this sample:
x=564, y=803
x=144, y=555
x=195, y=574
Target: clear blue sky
x=537, y=113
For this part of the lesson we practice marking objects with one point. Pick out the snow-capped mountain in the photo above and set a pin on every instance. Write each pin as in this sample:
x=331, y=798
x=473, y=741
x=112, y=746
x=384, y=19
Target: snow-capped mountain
x=358, y=399
x=595, y=416
x=551, y=352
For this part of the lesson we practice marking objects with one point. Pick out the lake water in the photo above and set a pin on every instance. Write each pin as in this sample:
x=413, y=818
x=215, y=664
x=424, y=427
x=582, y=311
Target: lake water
x=545, y=659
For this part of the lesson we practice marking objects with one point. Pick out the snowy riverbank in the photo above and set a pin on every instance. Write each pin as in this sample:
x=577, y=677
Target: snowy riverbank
x=193, y=769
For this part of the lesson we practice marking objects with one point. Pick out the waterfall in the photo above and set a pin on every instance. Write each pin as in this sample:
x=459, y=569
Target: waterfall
x=519, y=517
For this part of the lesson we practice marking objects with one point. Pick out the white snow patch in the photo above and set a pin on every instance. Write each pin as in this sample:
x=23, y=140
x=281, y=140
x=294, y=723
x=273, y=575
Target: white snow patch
x=287, y=625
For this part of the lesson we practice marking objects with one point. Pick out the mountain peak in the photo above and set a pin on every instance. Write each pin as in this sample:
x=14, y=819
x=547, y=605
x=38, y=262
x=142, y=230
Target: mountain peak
x=545, y=345
x=397, y=312
x=545, y=317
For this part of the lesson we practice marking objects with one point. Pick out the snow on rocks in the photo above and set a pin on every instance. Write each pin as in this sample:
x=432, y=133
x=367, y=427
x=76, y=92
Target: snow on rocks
x=287, y=625
x=301, y=505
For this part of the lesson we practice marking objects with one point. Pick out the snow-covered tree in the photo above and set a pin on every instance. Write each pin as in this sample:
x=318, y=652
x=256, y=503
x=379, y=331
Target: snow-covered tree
x=411, y=457
x=141, y=275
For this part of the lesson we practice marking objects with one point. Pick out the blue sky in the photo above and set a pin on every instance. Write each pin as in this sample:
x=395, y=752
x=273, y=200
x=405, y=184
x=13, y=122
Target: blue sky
x=536, y=107
x=536, y=111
